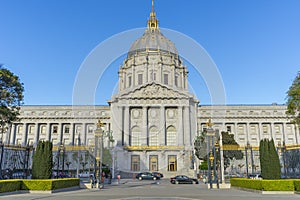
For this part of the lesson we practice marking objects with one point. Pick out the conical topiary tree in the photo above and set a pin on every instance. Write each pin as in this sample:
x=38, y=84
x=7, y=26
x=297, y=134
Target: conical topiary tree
x=269, y=160
x=42, y=161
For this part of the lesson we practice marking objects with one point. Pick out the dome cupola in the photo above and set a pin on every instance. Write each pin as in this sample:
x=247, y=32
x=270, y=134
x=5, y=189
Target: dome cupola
x=152, y=40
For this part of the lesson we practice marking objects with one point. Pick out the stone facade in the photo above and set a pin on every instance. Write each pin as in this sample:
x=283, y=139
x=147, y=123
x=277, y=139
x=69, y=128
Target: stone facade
x=153, y=118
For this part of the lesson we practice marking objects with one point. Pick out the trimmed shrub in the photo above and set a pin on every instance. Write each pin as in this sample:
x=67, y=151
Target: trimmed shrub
x=278, y=185
x=297, y=185
x=50, y=184
x=65, y=183
x=10, y=185
x=38, y=184
x=246, y=183
x=267, y=185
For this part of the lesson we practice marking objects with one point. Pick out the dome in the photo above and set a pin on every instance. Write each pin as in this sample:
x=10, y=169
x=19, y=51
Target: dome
x=152, y=40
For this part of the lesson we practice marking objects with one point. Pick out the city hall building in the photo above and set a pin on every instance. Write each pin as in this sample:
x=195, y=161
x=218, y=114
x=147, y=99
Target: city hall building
x=153, y=118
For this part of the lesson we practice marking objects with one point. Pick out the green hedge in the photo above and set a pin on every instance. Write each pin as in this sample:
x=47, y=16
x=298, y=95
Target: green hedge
x=10, y=185
x=246, y=183
x=267, y=185
x=38, y=184
x=278, y=185
x=297, y=185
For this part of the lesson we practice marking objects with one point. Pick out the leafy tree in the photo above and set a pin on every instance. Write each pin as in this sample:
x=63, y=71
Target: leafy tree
x=42, y=161
x=200, y=146
x=11, y=98
x=203, y=165
x=293, y=101
x=228, y=139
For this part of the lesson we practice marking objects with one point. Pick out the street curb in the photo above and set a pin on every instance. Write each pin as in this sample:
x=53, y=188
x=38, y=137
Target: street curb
x=265, y=192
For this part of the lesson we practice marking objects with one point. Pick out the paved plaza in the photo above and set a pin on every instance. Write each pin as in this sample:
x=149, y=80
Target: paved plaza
x=148, y=190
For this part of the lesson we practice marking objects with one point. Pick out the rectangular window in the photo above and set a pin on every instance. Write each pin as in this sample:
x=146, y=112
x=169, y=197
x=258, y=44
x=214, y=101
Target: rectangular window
x=20, y=129
x=135, y=163
x=54, y=129
x=30, y=141
x=43, y=129
x=31, y=129
x=172, y=163
x=153, y=163
x=54, y=141
x=90, y=129
x=129, y=81
x=277, y=129
x=154, y=76
x=228, y=129
x=241, y=130
x=67, y=129
x=91, y=142
x=252, y=129
x=78, y=129
x=289, y=129
x=265, y=129
x=166, y=79
x=19, y=141
x=140, y=79
x=176, y=81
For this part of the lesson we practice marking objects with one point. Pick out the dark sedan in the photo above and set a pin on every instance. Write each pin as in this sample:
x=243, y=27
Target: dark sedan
x=158, y=174
x=147, y=176
x=183, y=179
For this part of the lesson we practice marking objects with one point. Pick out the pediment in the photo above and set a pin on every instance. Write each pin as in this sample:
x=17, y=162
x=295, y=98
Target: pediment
x=154, y=91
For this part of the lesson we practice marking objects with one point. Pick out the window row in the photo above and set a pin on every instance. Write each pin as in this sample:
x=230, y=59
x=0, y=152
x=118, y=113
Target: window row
x=153, y=163
x=136, y=138
x=53, y=129
x=153, y=77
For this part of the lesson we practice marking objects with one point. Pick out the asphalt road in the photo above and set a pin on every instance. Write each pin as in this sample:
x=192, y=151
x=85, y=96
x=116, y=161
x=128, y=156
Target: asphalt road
x=149, y=190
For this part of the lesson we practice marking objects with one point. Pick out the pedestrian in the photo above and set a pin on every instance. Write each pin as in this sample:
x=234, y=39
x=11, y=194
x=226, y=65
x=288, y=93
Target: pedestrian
x=118, y=177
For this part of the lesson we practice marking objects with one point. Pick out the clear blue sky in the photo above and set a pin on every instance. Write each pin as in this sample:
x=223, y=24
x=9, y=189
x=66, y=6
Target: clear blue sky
x=254, y=43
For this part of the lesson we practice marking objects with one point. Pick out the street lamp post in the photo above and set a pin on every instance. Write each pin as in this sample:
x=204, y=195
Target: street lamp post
x=98, y=152
x=62, y=147
x=211, y=151
x=57, y=157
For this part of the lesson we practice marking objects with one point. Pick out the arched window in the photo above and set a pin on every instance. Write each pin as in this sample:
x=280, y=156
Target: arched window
x=135, y=136
x=153, y=136
x=171, y=136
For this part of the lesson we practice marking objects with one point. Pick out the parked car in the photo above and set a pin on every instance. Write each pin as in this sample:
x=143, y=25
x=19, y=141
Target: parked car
x=255, y=176
x=147, y=176
x=183, y=179
x=158, y=174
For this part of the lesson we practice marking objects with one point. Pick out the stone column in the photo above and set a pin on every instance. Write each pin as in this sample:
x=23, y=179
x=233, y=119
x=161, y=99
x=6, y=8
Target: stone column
x=261, y=133
x=162, y=128
x=172, y=81
x=284, y=129
x=13, y=134
x=248, y=133
x=272, y=135
x=144, y=136
x=187, y=126
x=186, y=81
x=182, y=79
x=84, y=139
x=159, y=75
x=24, y=134
x=297, y=133
x=180, y=127
x=72, y=134
x=133, y=84
x=126, y=132
x=48, y=133
x=236, y=132
x=37, y=134
x=60, y=133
